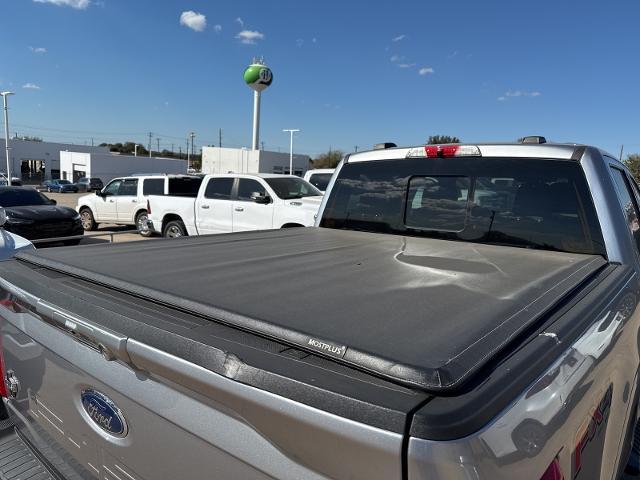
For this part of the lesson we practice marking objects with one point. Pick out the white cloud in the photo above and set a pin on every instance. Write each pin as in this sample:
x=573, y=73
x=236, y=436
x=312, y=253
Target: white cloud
x=398, y=38
x=425, y=71
x=406, y=65
x=518, y=93
x=314, y=40
x=396, y=58
x=240, y=21
x=217, y=28
x=30, y=86
x=194, y=21
x=249, y=37
x=453, y=54
x=299, y=42
x=77, y=4
x=38, y=49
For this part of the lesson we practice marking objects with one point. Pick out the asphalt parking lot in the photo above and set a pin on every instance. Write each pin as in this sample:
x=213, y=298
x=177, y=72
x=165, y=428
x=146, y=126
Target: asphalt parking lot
x=101, y=235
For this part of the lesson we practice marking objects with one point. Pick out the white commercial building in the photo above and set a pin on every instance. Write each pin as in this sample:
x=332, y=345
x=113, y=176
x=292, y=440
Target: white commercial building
x=107, y=166
x=241, y=160
x=34, y=162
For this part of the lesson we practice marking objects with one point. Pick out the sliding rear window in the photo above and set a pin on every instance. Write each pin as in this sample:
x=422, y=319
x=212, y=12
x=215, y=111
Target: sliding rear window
x=532, y=203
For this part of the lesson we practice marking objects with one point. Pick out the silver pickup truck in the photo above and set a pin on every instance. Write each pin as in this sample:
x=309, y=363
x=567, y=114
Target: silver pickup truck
x=459, y=312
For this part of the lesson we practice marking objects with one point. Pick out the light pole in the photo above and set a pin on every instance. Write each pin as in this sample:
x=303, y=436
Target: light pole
x=6, y=134
x=291, y=132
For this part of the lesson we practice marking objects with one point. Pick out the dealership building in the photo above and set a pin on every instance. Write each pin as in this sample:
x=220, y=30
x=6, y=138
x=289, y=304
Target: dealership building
x=107, y=166
x=242, y=160
x=35, y=162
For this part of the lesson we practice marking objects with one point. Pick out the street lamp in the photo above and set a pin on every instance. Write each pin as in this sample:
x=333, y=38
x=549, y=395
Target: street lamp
x=291, y=132
x=6, y=134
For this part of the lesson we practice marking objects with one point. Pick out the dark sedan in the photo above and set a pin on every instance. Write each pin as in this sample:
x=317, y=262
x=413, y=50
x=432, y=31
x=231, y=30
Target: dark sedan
x=32, y=215
x=60, y=186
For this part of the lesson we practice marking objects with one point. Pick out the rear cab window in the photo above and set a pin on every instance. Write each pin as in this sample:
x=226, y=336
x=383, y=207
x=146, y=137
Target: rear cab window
x=529, y=203
x=219, y=188
x=153, y=186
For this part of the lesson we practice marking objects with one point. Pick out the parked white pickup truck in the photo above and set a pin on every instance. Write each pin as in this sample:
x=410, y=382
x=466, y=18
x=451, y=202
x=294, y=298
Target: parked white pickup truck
x=124, y=200
x=235, y=203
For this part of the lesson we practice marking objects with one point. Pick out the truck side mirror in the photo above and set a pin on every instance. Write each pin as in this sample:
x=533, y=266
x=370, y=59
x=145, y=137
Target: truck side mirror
x=260, y=197
x=99, y=193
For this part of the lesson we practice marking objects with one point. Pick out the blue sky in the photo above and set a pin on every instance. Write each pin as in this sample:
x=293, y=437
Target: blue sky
x=346, y=73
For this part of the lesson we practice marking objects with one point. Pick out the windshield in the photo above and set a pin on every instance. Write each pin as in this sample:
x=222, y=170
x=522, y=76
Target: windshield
x=292, y=187
x=19, y=198
x=320, y=180
x=531, y=203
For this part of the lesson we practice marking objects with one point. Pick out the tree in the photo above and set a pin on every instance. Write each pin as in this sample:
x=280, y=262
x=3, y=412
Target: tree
x=328, y=160
x=633, y=164
x=440, y=139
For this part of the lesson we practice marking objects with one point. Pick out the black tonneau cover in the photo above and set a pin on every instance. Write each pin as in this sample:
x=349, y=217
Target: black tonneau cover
x=423, y=312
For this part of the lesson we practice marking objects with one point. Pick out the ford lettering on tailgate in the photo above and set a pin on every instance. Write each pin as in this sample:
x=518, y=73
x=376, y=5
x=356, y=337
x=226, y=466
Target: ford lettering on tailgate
x=104, y=413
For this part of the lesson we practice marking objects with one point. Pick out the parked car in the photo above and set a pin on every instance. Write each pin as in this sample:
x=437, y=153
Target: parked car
x=10, y=243
x=32, y=215
x=59, y=185
x=89, y=184
x=236, y=203
x=124, y=200
x=319, y=177
x=458, y=312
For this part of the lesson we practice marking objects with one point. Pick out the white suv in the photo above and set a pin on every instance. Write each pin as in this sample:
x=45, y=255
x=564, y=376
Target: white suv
x=319, y=177
x=123, y=201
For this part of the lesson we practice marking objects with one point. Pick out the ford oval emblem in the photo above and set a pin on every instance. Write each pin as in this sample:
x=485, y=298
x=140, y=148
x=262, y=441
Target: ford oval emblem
x=104, y=413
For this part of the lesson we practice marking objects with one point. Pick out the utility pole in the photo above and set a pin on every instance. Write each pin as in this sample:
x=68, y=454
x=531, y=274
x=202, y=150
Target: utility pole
x=158, y=139
x=291, y=132
x=150, y=136
x=180, y=154
x=262, y=146
x=92, y=141
x=621, y=150
x=220, y=137
x=188, y=156
x=6, y=135
x=356, y=148
x=172, y=149
x=193, y=152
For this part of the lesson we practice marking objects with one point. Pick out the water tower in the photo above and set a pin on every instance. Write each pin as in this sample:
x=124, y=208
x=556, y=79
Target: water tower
x=258, y=76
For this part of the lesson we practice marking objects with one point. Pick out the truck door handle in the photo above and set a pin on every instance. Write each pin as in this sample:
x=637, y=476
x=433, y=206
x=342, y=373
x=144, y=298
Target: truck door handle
x=134, y=200
x=239, y=209
x=204, y=206
x=111, y=201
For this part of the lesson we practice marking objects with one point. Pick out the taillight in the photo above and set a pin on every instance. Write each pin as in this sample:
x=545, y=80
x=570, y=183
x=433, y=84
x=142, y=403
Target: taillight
x=445, y=151
x=553, y=471
x=148, y=207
